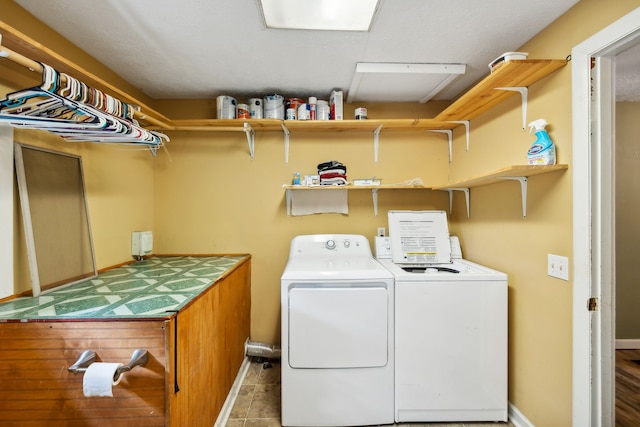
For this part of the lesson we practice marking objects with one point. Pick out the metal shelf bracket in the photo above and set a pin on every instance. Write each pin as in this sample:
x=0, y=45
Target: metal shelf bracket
x=523, y=191
x=287, y=194
x=466, y=126
x=524, y=91
x=376, y=143
x=287, y=134
x=466, y=191
x=251, y=138
x=374, y=195
x=449, y=133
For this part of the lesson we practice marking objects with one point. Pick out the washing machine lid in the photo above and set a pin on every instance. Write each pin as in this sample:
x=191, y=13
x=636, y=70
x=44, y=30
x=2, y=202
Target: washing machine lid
x=419, y=237
x=459, y=270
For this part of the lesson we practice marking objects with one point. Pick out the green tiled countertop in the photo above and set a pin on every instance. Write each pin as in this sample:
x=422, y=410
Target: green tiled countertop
x=153, y=288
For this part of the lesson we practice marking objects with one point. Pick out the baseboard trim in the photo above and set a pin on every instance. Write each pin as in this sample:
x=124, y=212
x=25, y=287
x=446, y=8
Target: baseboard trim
x=223, y=417
x=517, y=418
x=628, y=344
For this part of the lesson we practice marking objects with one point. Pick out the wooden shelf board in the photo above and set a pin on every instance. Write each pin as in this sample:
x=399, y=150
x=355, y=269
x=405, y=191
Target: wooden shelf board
x=313, y=125
x=483, y=96
x=356, y=187
x=494, y=176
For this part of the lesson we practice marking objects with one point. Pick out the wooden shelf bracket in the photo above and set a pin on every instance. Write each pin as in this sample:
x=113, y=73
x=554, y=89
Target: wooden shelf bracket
x=449, y=133
x=524, y=92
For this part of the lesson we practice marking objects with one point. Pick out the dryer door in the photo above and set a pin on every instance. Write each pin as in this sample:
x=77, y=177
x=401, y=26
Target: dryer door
x=338, y=327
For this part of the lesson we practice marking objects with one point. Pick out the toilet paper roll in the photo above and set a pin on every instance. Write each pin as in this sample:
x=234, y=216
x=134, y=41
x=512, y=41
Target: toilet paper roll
x=98, y=379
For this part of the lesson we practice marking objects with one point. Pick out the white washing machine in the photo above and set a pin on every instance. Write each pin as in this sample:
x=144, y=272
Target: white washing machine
x=450, y=326
x=337, y=334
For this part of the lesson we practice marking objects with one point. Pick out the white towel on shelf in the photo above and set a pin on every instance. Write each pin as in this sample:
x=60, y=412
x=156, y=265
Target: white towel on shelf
x=308, y=202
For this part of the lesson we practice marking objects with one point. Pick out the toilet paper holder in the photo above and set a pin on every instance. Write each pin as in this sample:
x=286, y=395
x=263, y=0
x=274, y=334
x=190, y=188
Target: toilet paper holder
x=139, y=357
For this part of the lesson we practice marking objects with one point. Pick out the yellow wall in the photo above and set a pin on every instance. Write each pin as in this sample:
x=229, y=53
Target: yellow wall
x=540, y=307
x=208, y=196
x=120, y=193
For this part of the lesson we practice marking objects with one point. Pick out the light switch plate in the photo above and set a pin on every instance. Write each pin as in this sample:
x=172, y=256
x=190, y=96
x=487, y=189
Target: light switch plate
x=558, y=266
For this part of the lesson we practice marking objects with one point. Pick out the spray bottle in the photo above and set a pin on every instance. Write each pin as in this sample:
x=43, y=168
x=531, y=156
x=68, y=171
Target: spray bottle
x=542, y=151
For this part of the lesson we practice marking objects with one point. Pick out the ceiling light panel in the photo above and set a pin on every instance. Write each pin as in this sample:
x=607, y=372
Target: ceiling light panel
x=337, y=15
x=387, y=82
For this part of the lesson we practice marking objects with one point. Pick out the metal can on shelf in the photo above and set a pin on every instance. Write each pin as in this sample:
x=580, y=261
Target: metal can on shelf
x=243, y=111
x=255, y=108
x=226, y=107
x=360, y=113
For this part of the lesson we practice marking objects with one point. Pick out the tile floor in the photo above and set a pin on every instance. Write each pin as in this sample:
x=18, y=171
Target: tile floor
x=258, y=401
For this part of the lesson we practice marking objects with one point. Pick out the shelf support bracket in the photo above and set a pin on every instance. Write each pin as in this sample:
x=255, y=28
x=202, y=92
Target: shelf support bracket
x=523, y=191
x=524, y=91
x=287, y=195
x=466, y=126
x=449, y=132
x=287, y=134
x=251, y=138
x=374, y=195
x=376, y=143
x=466, y=191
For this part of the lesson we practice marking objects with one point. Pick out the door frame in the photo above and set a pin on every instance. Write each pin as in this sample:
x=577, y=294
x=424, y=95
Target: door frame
x=593, y=219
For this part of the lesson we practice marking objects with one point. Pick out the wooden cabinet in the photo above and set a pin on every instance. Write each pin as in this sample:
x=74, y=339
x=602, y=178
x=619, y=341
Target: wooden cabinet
x=194, y=357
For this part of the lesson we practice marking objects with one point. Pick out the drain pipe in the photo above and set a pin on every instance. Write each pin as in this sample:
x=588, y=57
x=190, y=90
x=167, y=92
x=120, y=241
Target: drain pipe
x=258, y=349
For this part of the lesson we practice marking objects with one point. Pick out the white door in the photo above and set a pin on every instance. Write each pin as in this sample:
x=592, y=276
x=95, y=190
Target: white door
x=593, y=341
x=338, y=327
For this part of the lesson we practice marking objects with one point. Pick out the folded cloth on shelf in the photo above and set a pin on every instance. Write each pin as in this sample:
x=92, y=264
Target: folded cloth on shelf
x=332, y=165
x=340, y=171
x=334, y=181
x=329, y=165
x=326, y=175
x=332, y=173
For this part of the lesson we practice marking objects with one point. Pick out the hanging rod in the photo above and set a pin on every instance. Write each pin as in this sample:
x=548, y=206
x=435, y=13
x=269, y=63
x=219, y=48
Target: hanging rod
x=35, y=66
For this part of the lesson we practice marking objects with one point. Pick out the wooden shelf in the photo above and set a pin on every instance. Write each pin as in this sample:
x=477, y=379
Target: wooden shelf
x=483, y=96
x=357, y=187
x=373, y=188
x=518, y=173
x=312, y=125
x=516, y=74
x=498, y=175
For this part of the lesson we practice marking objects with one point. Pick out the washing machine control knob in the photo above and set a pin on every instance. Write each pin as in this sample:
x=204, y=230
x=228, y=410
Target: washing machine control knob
x=330, y=244
x=347, y=243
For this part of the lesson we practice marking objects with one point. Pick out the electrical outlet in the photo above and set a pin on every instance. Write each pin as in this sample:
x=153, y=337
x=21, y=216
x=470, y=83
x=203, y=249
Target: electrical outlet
x=381, y=231
x=558, y=266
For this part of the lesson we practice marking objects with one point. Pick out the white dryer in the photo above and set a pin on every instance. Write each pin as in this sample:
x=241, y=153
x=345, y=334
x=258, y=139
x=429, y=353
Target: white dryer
x=337, y=306
x=450, y=326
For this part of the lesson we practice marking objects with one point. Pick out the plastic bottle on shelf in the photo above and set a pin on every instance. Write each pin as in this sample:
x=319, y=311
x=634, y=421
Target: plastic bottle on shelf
x=543, y=150
x=312, y=107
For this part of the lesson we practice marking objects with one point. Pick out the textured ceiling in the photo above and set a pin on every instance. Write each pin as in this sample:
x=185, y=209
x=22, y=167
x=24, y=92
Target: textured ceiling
x=204, y=48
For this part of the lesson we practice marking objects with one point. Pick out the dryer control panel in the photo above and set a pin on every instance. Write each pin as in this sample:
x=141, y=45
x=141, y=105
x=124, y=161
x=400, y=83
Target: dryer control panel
x=317, y=245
